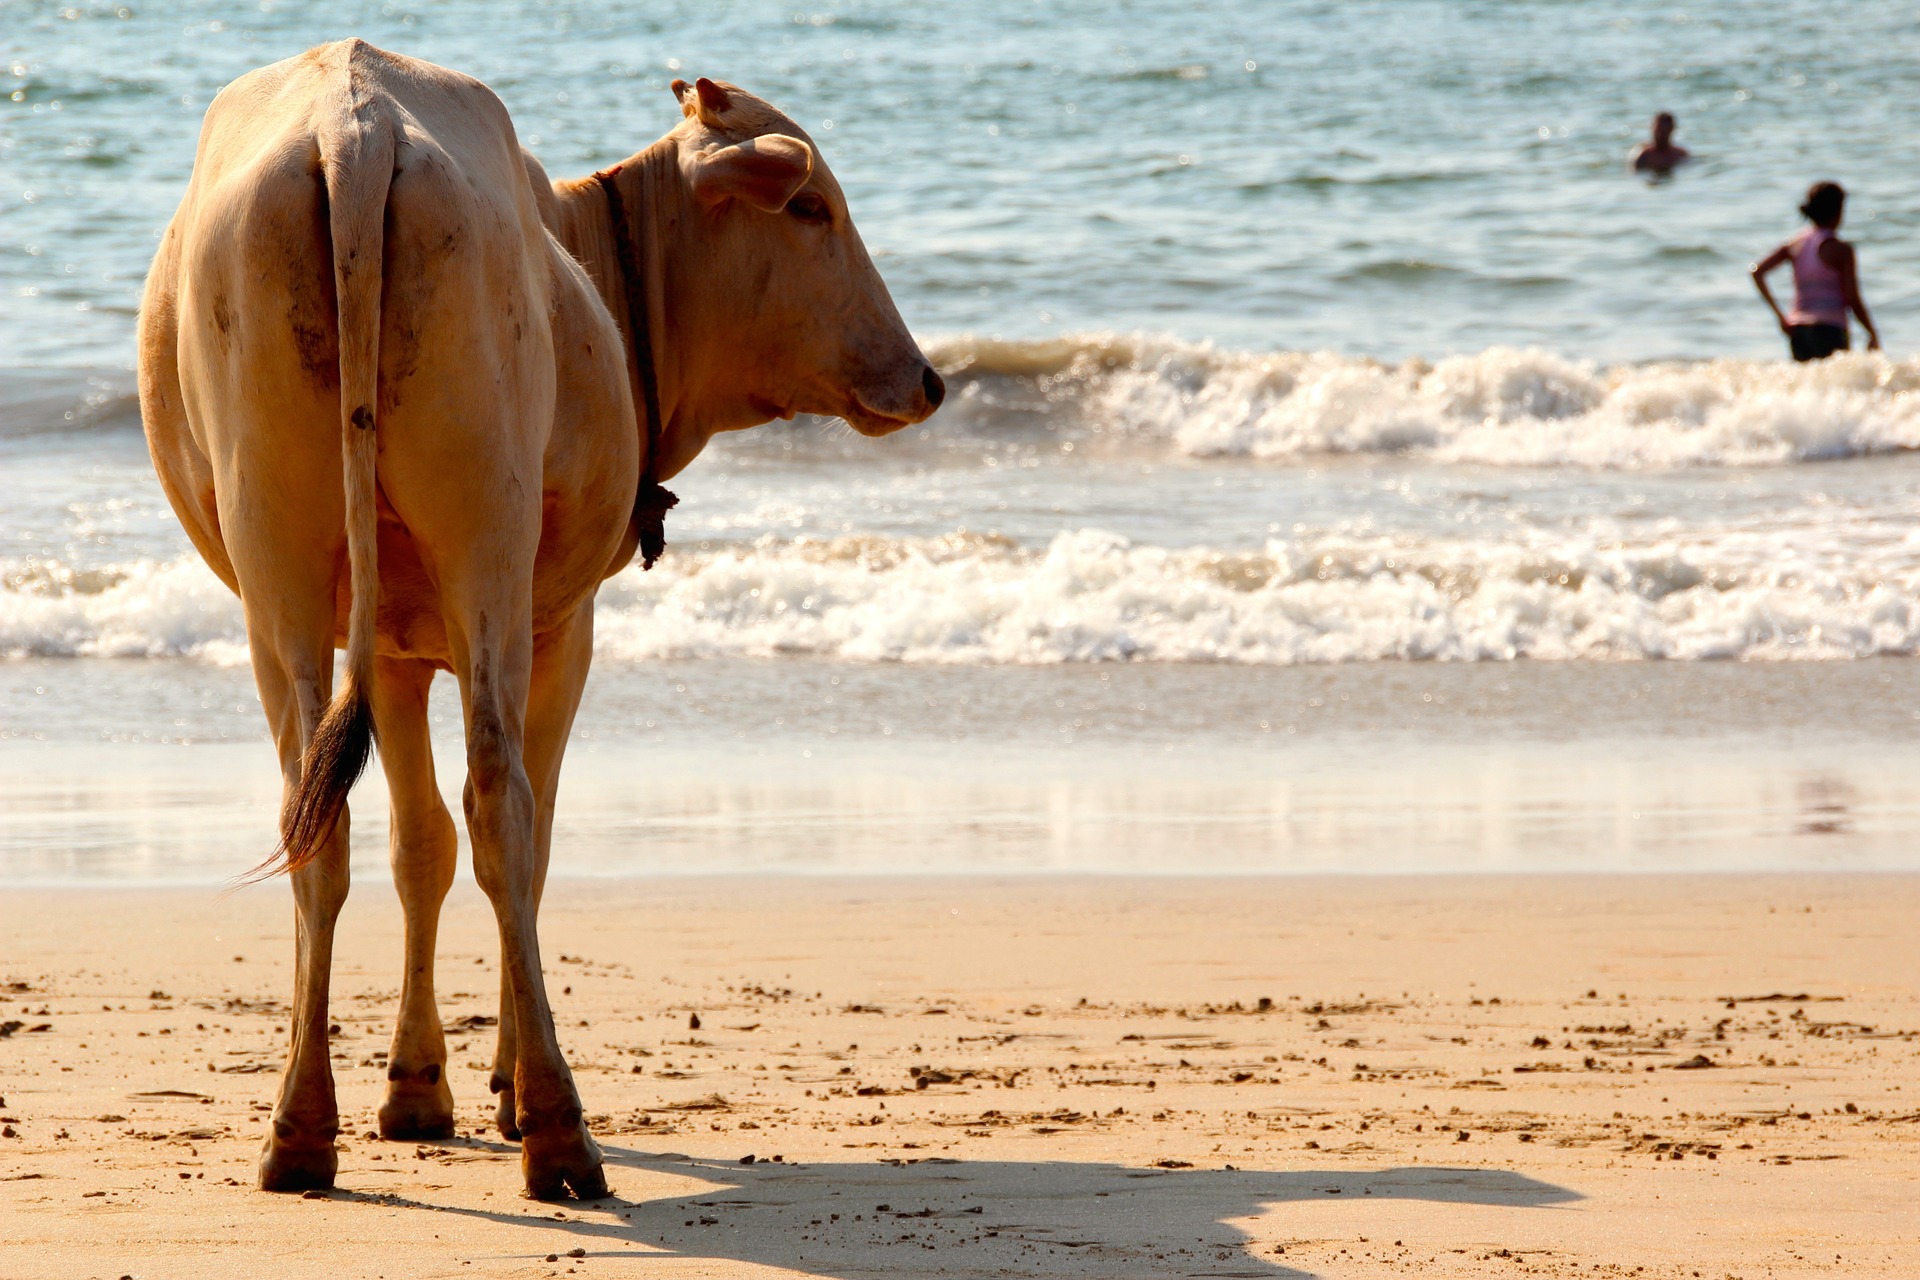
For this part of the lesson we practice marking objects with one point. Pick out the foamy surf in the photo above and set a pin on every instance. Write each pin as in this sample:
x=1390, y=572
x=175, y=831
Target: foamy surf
x=146, y=609
x=1092, y=596
x=1500, y=407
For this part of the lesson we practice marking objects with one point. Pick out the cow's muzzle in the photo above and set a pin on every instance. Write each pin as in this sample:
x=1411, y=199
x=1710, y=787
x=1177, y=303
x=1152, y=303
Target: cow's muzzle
x=871, y=419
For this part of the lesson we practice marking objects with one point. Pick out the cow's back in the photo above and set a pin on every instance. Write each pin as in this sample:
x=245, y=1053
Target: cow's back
x=255, y=218
x=241, y=328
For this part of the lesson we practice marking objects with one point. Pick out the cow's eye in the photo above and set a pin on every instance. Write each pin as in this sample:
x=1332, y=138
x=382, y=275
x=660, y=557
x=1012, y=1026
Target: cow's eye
x=809, y=207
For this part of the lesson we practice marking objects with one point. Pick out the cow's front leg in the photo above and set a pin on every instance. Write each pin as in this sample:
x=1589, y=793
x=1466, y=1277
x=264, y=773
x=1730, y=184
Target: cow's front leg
x=503, y=816
x=418, y=1104
x=299, y=1153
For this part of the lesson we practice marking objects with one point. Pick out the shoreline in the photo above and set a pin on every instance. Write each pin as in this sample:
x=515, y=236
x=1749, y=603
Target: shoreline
x=1107, y=1090
x=798, y=767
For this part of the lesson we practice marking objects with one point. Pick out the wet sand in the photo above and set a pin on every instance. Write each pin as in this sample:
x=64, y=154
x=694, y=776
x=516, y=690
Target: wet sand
x=117, y=772
x=1559, y=1076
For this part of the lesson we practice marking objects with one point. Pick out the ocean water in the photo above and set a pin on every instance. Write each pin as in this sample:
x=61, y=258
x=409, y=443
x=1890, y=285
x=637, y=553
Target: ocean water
x=1280, y=339
x=1386, y=178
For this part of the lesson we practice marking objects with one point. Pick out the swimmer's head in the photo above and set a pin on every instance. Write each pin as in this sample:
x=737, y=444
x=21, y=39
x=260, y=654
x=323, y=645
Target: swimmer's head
x=1663, y=129
x=1826, y=201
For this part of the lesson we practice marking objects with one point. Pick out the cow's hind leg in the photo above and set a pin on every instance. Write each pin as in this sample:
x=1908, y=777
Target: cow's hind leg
x=298, y=1154
x=418, y=1104
x=501, y=1082
x=494, y=660
x=559, y=674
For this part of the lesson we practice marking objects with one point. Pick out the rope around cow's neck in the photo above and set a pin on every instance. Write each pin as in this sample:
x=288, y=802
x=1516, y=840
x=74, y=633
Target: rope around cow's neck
x=651, y=501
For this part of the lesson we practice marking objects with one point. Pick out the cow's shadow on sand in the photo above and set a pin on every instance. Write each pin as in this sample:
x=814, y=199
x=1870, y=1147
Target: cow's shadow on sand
x=974, y=1217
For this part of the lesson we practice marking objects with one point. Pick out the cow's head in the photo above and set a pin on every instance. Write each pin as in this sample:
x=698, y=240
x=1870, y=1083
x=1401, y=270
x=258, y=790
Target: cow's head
x=798, y=318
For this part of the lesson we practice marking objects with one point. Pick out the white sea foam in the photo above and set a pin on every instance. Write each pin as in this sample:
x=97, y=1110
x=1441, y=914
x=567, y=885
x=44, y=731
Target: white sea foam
x=1784, y=572
x=1090, y=596
x=146, y=609
x=1502, y=406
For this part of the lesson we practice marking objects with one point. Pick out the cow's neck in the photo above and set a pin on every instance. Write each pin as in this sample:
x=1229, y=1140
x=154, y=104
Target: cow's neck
x=650, y=193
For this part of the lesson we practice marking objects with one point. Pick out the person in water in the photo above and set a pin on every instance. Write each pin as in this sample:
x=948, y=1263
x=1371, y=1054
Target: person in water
x=1826, y=282
x=1659, y=153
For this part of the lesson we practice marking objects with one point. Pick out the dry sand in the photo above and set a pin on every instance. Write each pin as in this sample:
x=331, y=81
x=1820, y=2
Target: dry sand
x=1549, y=1076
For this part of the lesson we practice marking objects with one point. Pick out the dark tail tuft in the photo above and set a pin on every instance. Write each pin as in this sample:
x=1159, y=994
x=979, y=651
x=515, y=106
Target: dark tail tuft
x=335, y=759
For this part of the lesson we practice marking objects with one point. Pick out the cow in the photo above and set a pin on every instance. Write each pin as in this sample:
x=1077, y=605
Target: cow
x=412, y=400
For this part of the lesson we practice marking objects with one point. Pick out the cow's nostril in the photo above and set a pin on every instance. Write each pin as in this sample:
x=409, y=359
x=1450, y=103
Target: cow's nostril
x=934, y=386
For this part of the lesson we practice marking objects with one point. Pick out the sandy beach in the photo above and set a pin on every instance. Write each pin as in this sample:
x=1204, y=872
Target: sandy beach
x=1276, y=1077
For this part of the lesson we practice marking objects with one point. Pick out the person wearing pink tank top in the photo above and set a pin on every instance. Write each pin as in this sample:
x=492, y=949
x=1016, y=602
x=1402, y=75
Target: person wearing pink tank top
x=1826, y=282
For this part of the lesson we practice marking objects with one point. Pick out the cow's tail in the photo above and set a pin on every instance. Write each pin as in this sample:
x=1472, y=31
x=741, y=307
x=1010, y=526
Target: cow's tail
x=357, y=159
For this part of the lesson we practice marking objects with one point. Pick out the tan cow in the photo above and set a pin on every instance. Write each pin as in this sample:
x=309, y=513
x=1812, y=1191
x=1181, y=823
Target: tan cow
x=390, y=387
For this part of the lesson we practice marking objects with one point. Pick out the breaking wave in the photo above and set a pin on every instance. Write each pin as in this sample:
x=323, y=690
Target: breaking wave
x=1090, y=596
x=1501, y=407
x=1504, y=406
x=146, y=609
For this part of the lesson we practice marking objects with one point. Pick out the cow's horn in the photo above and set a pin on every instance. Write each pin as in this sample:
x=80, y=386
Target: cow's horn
x=711, y=101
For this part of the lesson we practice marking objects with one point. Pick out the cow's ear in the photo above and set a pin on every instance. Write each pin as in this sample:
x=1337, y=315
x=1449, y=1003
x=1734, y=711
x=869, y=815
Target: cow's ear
x=764, y=172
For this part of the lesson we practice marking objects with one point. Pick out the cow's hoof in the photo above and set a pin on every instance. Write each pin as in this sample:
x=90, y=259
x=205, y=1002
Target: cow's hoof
x=559, y=1160
x=416, y=1111
x=291, y=1166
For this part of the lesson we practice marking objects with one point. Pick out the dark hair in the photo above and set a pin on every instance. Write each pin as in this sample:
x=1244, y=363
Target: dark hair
x=1824, y=203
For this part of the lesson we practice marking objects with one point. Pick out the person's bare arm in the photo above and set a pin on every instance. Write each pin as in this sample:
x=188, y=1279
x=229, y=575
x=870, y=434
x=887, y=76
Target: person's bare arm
x=1759, y=271
x=1841, y=258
